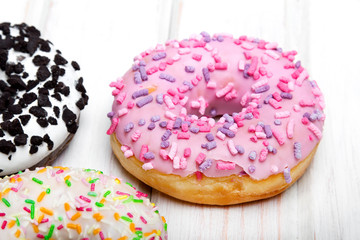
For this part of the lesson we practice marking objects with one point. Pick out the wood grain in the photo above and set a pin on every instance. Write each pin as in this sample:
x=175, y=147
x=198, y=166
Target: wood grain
x=104, y=36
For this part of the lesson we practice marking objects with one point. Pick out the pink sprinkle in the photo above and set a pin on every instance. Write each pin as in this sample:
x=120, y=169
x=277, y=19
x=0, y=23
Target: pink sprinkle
x=197, y=57
x=183, y=135
x=175, y=100
x=225, y=165
x=173, y=150
x=231, y=95
x=170, y=115
x=143, y=220
x=241, y=65
x=59, y=171
x=279, y=137
x=315, y=130
x=253, y=66
x=263, y=154
x=60, y=227
x=183, y=51
x=168, y=102
x=88, y=209
x=231, y=147
x=284, y=114
x=303, y=76
x=115, y=92
x=136, y=135
x=276, y=96
x=203, y=105
x=271, y=45
x=260, y=135
x=120, y=97
x=162, y=66
x=183, y=89
x=14, y=189
x=144, y=149
x=200, y=158
x=259, y=84
x=183, y=163
x=163, y=154
x=222, y=92
x=283, y=87
x=307, y=103
x=114, y=123
x=217, y=59
x=264, y=60
x=205, y=128
x=187, y=152
x=3, y=225
x=171, y=92
x=274, y=103
x=128, y=153
x=297, y=73
x=119, y=85
x=122, y=193
x=130, y=215
x=85, y=199
x=184, y=100
x=211, y=85
x=253, y=139
x=221, y=66
x=220, y=135
x=258, y=128
x=247, y=46
x=311, y=138
x=130, y=104
x=102, y=237
x=237, y=42
x=211, y=67
x=25, y=208
x=198, y=175
x=290, y=128
x=169, y=61
x=244, y=99
x=247, y=55
x=296, y=108
x=208, y=47
x=147, y=166
x=305, y=121
x=122, y=112
x=252, y=128
x=92, y=187
x=170, y=124
x=40, y=235
x=176, y=162
x=272, y=54
x=152, y=70
x=195, y=104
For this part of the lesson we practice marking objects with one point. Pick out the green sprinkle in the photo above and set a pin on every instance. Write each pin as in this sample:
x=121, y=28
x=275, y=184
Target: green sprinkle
x=138, y=200
x=92, y=194
x=48, y=236
x=30, y=201
x=156, y=211
x=139, y=234
x=87, y=170
x=32, y=211
x=126, y=219
x=165, y=226
x=129, y=184
x=94, y=180
x=37, y=180
x=99, y=204
x=129, y=199
x=48, y=191
x=6, y=202
x=17, y=222
x=107, y=193
x=60, y=218
x=68, y=183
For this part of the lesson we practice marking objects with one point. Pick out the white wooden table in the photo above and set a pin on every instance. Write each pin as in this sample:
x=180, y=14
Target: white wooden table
x=104, y=36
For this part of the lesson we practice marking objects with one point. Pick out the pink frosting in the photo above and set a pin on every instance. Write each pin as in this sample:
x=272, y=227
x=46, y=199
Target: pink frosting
x=268, y=101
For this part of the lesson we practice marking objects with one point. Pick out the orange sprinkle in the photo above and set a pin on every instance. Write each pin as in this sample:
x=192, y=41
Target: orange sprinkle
x=132, y=227
x=62, y=168
x=116, y=216
x=42, y=170
x=12, y=180
x=41, y=196
x=78, y=228
x=11, y=223
x=17, y=234
x=36, y=229
x=98, y=217
x=19, y=179
x=46, y=211
x=96, y=231
x=76, y=216
x=117, y=181
x=67, y=207
x=163, y=219
x=123, y=238
x=6, y=191
x=149, y=233
x=41, y=218
x=108, y=239
x=152, y=88
x=67, y=177
x=102, y=201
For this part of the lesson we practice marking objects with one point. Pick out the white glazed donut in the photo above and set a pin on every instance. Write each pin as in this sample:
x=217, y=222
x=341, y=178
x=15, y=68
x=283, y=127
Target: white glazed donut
x=64, y=203
x=41, y=95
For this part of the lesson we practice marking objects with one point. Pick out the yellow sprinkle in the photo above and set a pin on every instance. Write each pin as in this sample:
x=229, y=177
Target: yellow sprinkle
x=120, y=197
x=11, y=223
x=132, y=227
x=123, y=238
x=41, y=196
x=117, y=181
x=46, y=211
x=67, y=177
x=153, y=204
x=17, y=234
x=102, y=200
x=40, y=218
x=149, y=233
x=36, y=229
x=96, y=231
x=158, y=232
x=88, y=179
x=116, y=216
x=67, y=207
x=42, y=170
x=76, y=216
x=152, y=88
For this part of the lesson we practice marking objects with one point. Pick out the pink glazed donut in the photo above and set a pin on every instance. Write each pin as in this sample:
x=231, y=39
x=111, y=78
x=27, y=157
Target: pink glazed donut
x=216, y=120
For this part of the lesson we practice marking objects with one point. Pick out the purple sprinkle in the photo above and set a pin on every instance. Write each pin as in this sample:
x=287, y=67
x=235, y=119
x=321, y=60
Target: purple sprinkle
x=277, y=122
x=262, y=89
x=312, y=84
x=140, y=93
x=159, y=98
x=137, y=78
x=298, y=64
x=266, y=100
x=307, y=115
x=189, y=69
x=155, y=118
x=280, y=50
x=213, y=112
x=142, y=63
x=256, y=40
x=177, y=123
x=227, y=132
x=220, y=38
x=228, y=118
x=247, y=66
x=141, y=122
x=248, y=116
x=207, y=39
x=261, y=124
x=297, y=150
x=270, y=148
x=194, y=129
x=164, y=144
x=240, y=149
x=204, y=34
x=135, y=67
x=110, y=114
x=206, y=74
x=144, y=101
x=267, y=130
x=210, y=137
x=167, y=77
x=189, y=84
x=313, y=117
x=205, y=165
x=259, y=106
x=163, y=124
x=149, y=155
x=251, y=168
x=143, y=73
x=166, y=135
x=187, y=123
x=286, y=95
x=151, y=126
x=203, y=145
x=210, y=145
x=252, y=155
x=128, y=127
x=274, y=151
x=287, y=175
x=159, y=56
x=227, y=125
